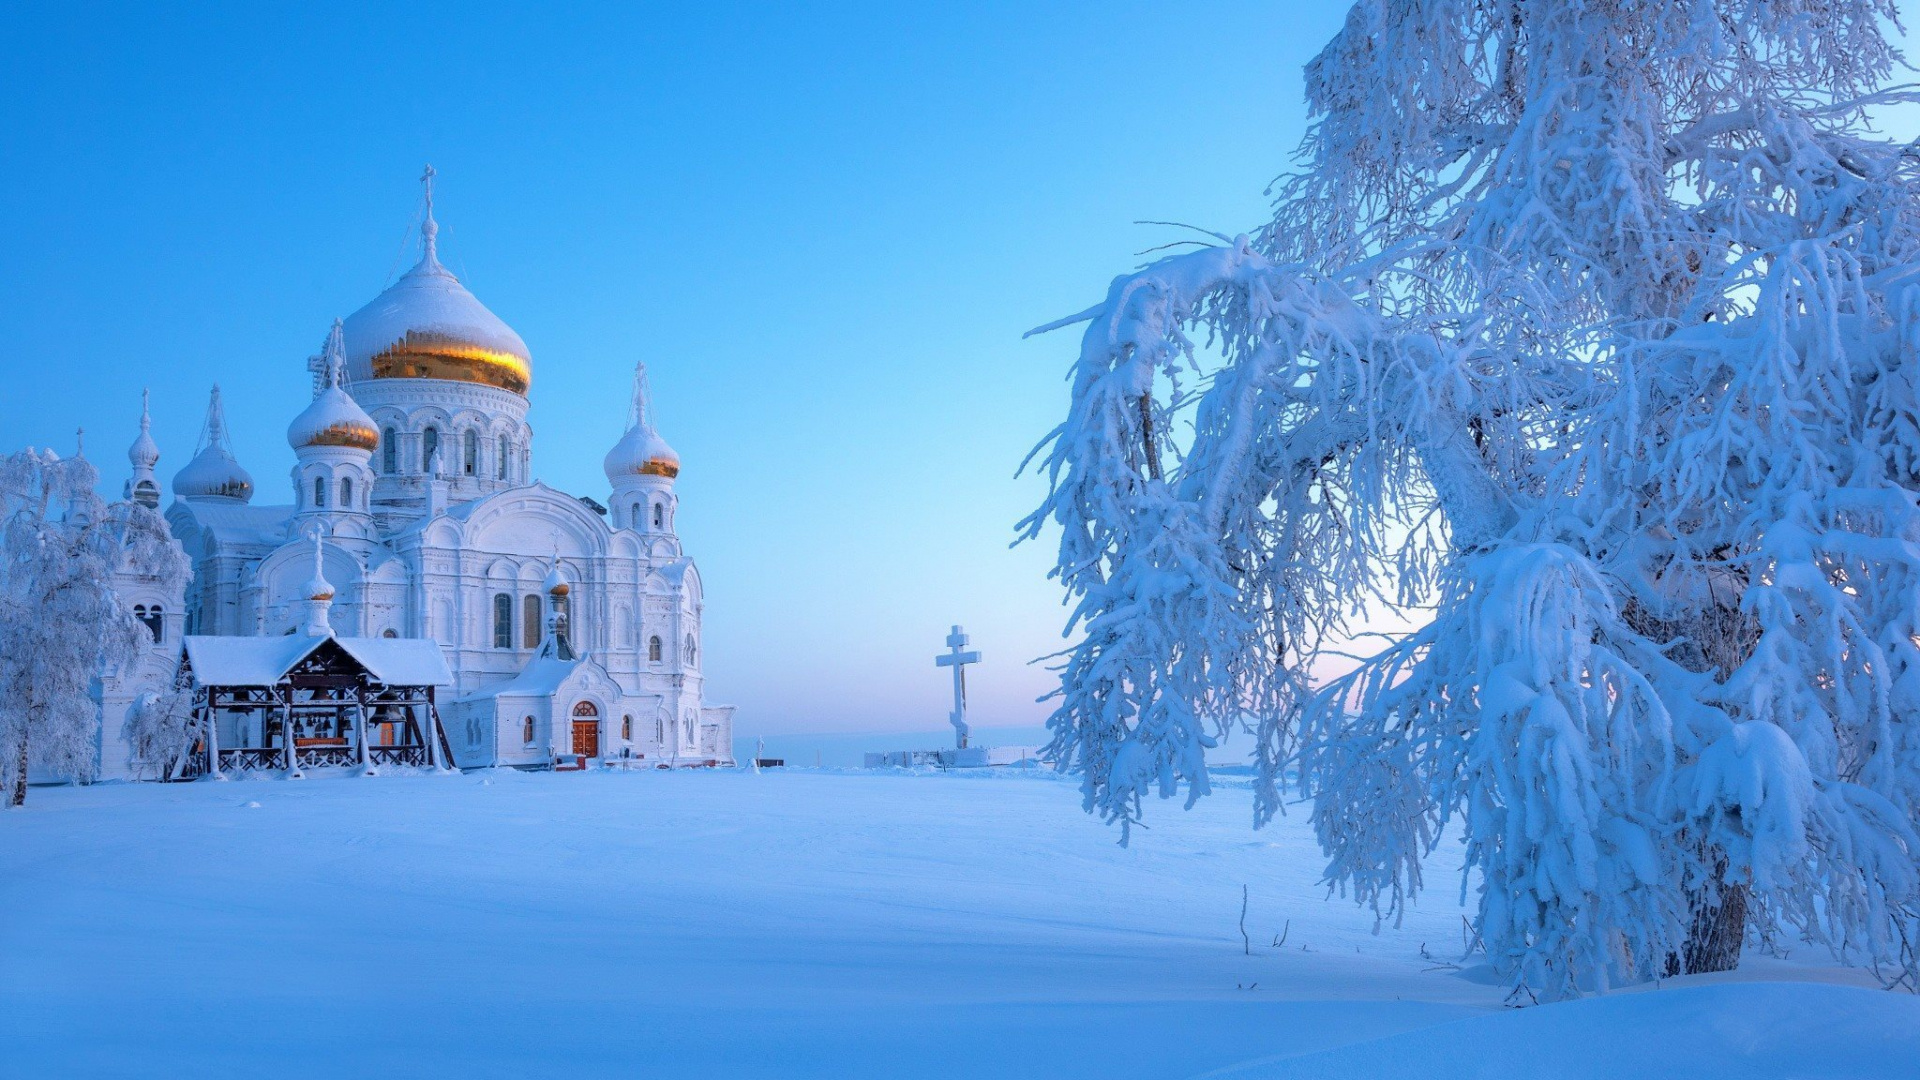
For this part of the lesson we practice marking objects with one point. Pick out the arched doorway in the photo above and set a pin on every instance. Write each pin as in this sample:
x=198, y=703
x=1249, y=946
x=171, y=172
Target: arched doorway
x=586, y=730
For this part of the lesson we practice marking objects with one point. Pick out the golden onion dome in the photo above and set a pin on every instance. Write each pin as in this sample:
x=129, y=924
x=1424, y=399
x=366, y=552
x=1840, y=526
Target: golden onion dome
x=333, y=420
x=641, y=452
x=428, y=326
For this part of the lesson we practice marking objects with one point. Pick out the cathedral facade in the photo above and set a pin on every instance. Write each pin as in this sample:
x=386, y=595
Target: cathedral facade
x=571, y=628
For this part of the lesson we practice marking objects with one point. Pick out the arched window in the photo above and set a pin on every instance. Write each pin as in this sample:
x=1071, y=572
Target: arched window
x=389, y=632
x=346, y=492
x=429, y=442
x=653, y=648
x=626, y=728
x=389, y=452
x=526, y=731
x=150, y=617
x=659, y=730
x=502, y=621
x=659, y=515
x=470, y=452
x=500, y=464
x=635, y=519
x=319, y=493
x=530, y=621
x=687, y=657
x=585, y=708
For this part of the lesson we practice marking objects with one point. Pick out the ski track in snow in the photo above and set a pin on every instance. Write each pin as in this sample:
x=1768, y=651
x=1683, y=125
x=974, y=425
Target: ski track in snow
x=785, y=924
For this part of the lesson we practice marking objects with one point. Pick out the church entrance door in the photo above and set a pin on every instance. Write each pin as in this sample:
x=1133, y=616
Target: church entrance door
x=586, y=730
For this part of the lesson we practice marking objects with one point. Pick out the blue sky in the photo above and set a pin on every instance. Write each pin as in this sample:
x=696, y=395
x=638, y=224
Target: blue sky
x=824, y=231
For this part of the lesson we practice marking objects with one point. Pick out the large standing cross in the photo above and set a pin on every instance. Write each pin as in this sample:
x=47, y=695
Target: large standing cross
x=958, y=658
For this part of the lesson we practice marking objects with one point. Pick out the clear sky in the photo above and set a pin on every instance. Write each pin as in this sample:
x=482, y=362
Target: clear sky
x=824, y=231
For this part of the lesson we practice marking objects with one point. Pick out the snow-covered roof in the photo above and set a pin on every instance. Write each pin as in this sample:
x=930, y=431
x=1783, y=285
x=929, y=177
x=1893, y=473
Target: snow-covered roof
x=428, y=315
x=264, y=661
x=238, y=522
x=542, y=676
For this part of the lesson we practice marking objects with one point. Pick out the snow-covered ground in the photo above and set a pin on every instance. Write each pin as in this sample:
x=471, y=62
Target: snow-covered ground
x=786, y=924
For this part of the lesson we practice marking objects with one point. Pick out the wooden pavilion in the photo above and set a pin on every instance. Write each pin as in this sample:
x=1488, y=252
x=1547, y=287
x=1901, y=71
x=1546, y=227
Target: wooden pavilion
x=300, y=702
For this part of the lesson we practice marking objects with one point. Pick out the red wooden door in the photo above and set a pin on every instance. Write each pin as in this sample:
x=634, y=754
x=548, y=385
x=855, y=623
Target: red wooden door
x=586, y=738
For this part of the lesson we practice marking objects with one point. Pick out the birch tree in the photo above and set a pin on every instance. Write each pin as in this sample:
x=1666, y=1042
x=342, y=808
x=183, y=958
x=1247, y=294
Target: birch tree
x=1587, y=329
x=61, y=623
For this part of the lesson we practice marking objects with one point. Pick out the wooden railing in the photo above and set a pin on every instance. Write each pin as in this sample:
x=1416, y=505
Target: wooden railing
x=252, y=758
x=414, y=756
x=325, y=757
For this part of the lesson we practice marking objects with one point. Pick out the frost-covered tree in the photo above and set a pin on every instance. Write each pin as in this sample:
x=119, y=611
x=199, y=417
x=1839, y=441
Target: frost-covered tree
x=160, y=730
x=1590, y=329
x=61, y=624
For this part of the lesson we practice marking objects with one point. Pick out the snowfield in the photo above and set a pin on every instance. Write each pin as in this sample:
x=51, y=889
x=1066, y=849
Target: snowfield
x=790, y=923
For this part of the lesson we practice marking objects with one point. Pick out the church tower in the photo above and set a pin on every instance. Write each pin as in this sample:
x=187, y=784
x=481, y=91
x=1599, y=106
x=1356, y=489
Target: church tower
x=445, y=381
x=333, y=439
x=642, y=467
x=143, y=455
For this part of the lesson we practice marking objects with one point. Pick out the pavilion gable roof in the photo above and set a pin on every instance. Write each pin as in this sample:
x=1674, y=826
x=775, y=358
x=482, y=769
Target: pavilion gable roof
x=263, y=661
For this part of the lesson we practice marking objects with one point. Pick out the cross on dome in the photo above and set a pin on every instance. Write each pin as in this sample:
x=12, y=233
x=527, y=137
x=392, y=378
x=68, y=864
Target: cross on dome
x=429, y=228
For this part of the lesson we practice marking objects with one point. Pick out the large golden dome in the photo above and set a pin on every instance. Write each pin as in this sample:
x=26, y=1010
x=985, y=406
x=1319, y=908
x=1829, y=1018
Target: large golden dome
x=428, y=326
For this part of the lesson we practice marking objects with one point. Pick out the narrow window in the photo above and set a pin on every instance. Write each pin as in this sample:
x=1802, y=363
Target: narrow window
x=429, y=442
x=688, y=655
x=526, y=731
x=346, y=492
x=500, y=465
x=530, y=620
x=659, y=730
x=389, y=452
x=150, y=618
x=319, y=493
x=635, y=519
x=626, y=728
x=470, y=452
x=653, y=649
x=659, y=515
x=502, y=621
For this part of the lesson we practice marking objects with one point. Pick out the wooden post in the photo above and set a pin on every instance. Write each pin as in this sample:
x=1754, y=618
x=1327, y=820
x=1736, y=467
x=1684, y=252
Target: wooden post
x=430, y=733
x=213, y=739
x=360, y=726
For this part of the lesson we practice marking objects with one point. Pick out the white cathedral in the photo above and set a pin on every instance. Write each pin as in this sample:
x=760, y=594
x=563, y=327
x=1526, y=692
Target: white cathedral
x=412, y=477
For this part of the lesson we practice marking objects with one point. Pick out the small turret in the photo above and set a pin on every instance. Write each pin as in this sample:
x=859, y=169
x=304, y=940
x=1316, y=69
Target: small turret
x=143, y=455
x=213, y=473
x=641, y=467
x=317, y=595
x=333, y=440
x=557, y=589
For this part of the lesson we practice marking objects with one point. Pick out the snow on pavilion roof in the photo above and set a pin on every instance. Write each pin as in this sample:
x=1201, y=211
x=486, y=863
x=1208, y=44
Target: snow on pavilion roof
x=264, y=661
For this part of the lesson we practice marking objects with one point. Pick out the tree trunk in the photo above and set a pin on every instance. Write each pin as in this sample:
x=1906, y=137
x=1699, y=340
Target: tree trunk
x=18, y=796
x=1719, y=928
x=1718, y=639
x=1716, y=925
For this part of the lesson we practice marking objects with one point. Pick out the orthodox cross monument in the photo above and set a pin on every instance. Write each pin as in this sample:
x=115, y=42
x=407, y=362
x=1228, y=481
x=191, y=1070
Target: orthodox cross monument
x=957, y=657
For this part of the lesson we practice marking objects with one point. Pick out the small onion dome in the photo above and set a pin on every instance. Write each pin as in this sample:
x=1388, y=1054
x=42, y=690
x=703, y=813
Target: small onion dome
x=144, y=453
x=556, y=583
x=333, y=420
x=641, y=452
x=318, y=589
x=213, y=473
